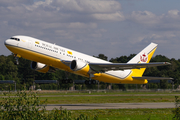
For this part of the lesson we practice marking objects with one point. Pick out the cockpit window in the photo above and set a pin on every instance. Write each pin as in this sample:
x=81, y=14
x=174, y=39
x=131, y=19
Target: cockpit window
x=15, y=38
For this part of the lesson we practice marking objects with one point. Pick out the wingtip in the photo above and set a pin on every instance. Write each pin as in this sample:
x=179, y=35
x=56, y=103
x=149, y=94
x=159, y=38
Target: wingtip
x=167, y=63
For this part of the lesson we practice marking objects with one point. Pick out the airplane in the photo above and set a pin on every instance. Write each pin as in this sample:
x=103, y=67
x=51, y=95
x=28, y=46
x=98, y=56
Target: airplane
x=46, y=56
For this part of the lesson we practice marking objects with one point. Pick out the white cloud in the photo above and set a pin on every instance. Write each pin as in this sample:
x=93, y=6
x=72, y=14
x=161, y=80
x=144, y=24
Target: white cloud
x=118, y=16
x=169, y=20
x=92, y=9
x=60, y=14
x=78, y=25
x=88, y=6
x=5, y=3
x=144, y=17
x=100, y=24
x=174, y=13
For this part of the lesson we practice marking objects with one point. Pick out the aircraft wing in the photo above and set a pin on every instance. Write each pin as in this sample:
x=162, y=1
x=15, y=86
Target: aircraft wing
x=101, y=67
x=152, y=78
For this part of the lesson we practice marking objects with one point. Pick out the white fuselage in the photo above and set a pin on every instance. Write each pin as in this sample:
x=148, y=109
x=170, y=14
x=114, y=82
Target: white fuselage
x=53, y=55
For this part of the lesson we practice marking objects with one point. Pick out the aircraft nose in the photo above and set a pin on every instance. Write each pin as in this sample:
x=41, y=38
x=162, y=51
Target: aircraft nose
x=7, y=42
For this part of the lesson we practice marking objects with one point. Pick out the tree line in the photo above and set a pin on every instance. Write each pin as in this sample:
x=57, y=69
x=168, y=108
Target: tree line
x=24, y=76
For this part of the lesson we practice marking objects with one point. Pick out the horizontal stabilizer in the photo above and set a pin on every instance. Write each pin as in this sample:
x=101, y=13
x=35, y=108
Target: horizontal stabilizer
x=152, y=78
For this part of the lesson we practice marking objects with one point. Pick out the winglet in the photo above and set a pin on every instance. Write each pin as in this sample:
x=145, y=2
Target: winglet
x=167, y=63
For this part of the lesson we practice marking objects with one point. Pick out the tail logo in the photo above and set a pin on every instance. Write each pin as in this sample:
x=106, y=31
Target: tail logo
x=144, y=57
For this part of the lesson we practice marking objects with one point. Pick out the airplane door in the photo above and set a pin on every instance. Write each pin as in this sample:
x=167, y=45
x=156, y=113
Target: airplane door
x=18, y=44
x=29, y=44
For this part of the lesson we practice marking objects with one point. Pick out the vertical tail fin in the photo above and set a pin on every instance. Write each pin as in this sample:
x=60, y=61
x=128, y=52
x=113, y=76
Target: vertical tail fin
x=143, y=57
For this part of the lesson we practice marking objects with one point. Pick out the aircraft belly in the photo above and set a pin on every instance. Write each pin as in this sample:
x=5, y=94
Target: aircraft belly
x=119, y=73
x=38, y=57
x=111, y=79
x=107, y=78
x=114, y=76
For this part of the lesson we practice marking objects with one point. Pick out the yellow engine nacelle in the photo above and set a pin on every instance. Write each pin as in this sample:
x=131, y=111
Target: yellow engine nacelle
x=40, y=67
x=81, y=67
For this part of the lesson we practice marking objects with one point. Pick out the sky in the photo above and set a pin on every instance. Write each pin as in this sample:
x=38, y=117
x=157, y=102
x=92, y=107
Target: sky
x=110, y=27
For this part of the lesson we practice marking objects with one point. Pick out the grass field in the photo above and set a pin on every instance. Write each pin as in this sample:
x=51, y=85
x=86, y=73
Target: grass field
x=105, y=92
x=116, y=97
x=128, y=114
x=107, y=97
x=112, y=97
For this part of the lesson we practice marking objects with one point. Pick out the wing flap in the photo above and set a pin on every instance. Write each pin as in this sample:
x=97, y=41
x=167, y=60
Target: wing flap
x=152, y=78
x=102, y=67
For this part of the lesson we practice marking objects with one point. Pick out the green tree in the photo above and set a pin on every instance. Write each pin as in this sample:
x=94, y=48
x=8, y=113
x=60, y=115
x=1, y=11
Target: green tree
x=1, y=77
x=102, y=56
